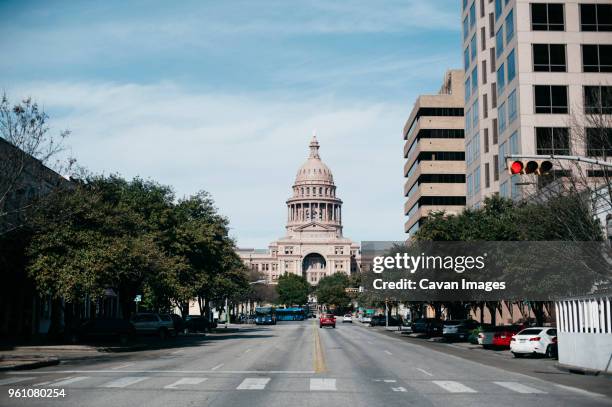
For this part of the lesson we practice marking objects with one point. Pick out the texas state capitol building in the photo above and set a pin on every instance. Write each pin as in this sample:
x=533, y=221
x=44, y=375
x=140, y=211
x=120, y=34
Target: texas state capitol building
x=313, y=246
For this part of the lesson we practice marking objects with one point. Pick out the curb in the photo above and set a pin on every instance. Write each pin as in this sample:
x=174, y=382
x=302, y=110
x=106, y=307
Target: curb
x=32, y=365
x=581, y=370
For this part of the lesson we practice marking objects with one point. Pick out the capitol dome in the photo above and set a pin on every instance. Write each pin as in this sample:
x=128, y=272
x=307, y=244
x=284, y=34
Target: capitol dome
x=314, y=171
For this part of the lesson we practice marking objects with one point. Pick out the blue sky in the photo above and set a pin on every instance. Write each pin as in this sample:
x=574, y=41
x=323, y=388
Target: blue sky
x=224, y=96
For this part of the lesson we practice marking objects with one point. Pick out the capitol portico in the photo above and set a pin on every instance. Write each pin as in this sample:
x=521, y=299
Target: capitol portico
x=313, y=245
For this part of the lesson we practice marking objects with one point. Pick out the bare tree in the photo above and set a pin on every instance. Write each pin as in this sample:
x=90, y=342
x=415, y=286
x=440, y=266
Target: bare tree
x=30, y=160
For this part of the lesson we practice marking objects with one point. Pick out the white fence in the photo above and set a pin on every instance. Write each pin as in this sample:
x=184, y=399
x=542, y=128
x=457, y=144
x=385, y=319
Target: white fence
x=584, y=329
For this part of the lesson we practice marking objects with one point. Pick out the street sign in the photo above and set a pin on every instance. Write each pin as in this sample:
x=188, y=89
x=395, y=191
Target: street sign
x=138, y=298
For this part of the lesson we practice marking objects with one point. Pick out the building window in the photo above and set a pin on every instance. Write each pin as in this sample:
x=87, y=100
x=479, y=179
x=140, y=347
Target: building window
x=511, y=64
x=466, y=58
x=475, y=109
x=498, y=9
x=598, y=99
x=551, y=99
x=501, y=116
x=501, y=79
x=486, y=140
x=513, y=143
x=483, y=39
x=499, y=42
x=493, y=95
x=468, y=121
x=512, y=109
x=596, y=17
x=473, y=15
x=492, y=58
x=502, y=157
x=473, y=46
x=549, y=58
x=495, y=168
x=495, y=133
x=547, y=17
x=487, y=175
x=503, y=190
x=509, y=26
x=476, y=146
x=468, y=185
x=491, y=25
x=477, y=180
x=597, y=58
x=484, y=71
x=288, y=249
x=468, y=153
x=466, y=28
x=339, y=250
x=475, y=80
x=514, y=180
x=599, y=142
x=485, y=106
x=552, y=141
x=468, y=88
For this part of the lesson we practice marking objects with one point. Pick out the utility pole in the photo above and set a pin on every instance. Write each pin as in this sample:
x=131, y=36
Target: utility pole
x=386, y=313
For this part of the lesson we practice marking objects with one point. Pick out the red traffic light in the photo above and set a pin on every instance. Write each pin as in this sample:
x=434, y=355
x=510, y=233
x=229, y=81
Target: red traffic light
x=516, y=167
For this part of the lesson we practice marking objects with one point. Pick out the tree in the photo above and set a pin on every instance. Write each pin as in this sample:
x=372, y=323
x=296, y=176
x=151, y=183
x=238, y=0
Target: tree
x=292, y=289
x=26, y=147
x=331, y=290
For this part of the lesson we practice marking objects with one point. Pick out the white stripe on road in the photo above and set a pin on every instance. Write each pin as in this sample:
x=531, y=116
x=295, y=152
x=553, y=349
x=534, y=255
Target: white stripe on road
x=169, y=371
x=454, y=387
x=400, y=389
x=519, y=388
x=247, y=351
x=217, y=367
x=388, y=353
x=69, y=380
x=253, y=383
x=423, y=371
x=185, y=380
x=124, y=381
x=322, y=384
x=122, y=366
x=14, y=380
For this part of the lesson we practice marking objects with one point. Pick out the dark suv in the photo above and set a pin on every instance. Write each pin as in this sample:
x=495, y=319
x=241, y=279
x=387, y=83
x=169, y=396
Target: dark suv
x=427, y=326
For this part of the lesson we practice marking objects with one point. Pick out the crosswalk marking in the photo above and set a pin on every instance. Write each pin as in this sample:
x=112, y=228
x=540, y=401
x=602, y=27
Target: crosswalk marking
x=454, y=387
x=14, y=380
x=253, y=383
x=519, y=388
x=322, y=384
x=185, y=380
x=69, y=380
x=125, y=381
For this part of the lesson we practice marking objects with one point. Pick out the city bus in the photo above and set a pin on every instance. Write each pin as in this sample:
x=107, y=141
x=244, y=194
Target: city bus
x=265, y=316
x=291, y=314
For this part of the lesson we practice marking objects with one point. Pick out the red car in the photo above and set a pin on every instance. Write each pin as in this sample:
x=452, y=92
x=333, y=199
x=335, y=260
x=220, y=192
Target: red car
x=327, y=320
x=502, y=338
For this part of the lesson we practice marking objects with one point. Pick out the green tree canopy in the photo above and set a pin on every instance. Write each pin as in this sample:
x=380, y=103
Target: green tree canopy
x=331, y=290
x=292, y=289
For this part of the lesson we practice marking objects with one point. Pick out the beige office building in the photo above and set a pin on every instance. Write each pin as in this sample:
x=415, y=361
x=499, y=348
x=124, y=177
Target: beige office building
x=434, y=152
x=313, y=245
x=533, y=70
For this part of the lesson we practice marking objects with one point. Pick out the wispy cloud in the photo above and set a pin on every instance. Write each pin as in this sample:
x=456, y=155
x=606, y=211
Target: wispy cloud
x=243, y=149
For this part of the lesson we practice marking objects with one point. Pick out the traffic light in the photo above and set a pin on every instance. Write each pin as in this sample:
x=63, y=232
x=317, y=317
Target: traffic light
x=539, y=167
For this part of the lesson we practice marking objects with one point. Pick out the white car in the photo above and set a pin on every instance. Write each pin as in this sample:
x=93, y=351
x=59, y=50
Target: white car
x=533, y=341
x=347, y=318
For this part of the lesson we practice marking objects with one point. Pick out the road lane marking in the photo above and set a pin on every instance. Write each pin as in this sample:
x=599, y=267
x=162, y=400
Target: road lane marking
x=177, y=352
x=124, y=381
x=253, y=383
x=122, y=366
x=388, y=353
x=14, y=380
x=42, y=384
x=217, y=367
x=69, y=380
x=401, y=389
x=185, y=381
x=577, y=390
x=322, y=384
x=519, y=388
x=454, y=387
x=247, y=351
x=423, y=371
x=304, y=372
x=318, y=354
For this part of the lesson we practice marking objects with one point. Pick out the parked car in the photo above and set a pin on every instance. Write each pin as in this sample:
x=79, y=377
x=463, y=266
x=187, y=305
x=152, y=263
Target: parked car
x=104, y=329
x=327, y=320
x=151, y=323
x=458, y=329
x=379, y=320
x=502, y=338
x=347, y=318
x=427, y=326
x=197, y=323
x=366, y=319
x=485, y=338
x=535, y=341
x=179, y=323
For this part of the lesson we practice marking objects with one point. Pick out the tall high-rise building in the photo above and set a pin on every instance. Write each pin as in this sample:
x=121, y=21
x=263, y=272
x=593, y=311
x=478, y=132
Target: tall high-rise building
x=434, y=153
x=534, y=72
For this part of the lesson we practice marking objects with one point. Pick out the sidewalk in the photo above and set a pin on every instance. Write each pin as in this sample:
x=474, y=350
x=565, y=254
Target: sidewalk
x=33, y=357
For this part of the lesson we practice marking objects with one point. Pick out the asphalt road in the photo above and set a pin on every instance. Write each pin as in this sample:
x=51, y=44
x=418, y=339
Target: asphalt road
x=291, y=364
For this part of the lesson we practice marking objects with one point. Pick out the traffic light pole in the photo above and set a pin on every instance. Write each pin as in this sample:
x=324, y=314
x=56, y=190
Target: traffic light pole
x=560, y=157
